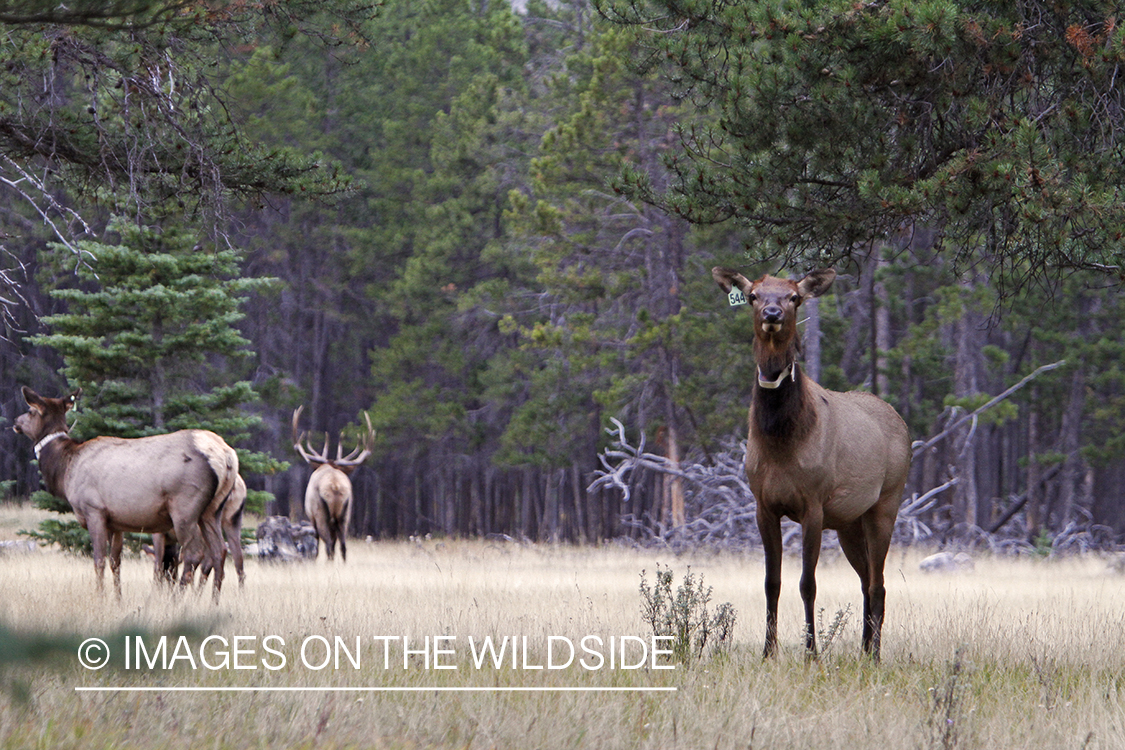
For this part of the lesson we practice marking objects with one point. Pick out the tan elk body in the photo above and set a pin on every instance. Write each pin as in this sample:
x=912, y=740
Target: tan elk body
x=158, y=484
x=328, y=495
x=827, y=460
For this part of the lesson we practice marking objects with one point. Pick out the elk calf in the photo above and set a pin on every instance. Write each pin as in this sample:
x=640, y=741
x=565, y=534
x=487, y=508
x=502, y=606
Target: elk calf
x=159, y=484
x=827, y=460
x=166, y=553
x=328, y=496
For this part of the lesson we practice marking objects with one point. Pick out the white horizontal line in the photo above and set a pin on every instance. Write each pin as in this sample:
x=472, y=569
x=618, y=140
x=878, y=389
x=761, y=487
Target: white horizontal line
x=433, y=689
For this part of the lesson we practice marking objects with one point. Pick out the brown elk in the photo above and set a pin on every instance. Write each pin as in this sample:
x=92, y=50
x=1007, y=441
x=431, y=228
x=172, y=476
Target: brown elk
x=158, y=484
x=166, y=553
x=328, y=496
x=827, y=460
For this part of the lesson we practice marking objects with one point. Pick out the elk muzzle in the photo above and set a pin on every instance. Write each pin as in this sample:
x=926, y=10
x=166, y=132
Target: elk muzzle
x=772, y=317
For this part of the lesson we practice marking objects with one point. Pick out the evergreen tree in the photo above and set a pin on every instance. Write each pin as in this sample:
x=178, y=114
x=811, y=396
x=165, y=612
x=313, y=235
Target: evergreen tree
x=150, y=338
x=440, y=184
x=839, y=123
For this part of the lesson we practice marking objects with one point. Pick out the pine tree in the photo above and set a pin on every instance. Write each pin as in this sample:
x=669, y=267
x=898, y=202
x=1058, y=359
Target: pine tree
x=839, y=123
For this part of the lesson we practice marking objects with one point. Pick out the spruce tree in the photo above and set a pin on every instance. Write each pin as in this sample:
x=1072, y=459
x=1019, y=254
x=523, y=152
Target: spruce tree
x=150, y=338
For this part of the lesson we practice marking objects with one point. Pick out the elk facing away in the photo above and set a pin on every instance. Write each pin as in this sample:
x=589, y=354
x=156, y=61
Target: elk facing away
x=159, y=484
x=328, y=496
x=827, y=460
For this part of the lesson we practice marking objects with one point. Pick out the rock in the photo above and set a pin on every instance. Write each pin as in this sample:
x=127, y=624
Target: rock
x=947, y=562
x=1117, y=564
x=281, y=540
x=18, y=547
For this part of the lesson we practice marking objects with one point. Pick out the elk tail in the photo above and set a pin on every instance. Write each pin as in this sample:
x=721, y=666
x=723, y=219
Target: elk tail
x=224, y=464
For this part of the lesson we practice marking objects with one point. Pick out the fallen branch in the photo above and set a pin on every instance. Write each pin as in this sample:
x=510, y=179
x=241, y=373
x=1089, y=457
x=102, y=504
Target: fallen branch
x=920, y=446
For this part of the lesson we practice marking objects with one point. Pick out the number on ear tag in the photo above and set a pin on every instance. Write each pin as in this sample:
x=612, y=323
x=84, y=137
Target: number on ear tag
x=736, y=297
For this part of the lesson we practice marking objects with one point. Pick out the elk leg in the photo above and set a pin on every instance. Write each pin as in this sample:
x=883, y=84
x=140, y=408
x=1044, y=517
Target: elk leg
x=854, y=544
x=342, y=531
x=164, y=559
x=233, y=534
x=96, y=525
x=191, y=549
x=157, y=557
x=877, y=529
x=769, y=527
x=324, y=533
x=811, y=532
x=213, y=543
x=116, y=541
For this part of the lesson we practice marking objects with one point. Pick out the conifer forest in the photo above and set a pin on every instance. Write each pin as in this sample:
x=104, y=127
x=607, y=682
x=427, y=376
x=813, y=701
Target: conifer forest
x=490, y=227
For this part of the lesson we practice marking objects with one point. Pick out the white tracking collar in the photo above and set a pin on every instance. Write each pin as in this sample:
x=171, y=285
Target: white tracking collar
x=43, y=443
x=771, y=384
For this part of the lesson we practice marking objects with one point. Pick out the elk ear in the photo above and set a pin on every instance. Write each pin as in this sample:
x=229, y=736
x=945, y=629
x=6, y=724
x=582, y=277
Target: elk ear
x=32, y=398
x=816, y=283
x=72, y=399
x=727, y=279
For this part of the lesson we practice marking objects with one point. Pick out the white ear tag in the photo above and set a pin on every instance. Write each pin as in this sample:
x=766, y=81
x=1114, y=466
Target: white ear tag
x=736, y=297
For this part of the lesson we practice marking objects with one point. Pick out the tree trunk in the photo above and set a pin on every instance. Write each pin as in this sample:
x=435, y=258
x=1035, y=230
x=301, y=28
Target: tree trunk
x=1073, y=471
x=1034, y=495
x=966, y=383
x=880, y=329
x=812, y=339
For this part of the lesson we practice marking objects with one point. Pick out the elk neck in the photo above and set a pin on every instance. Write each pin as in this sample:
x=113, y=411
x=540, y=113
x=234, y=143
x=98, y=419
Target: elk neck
x=781, y=409
x=54, y=452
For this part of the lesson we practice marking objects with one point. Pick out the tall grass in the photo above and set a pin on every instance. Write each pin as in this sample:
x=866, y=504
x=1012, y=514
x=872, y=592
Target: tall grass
x=1017, y=654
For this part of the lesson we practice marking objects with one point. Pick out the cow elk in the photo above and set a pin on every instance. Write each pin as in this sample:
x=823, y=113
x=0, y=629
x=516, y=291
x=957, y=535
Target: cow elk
x=328, y=496
x=827, y=460
x=159, y=484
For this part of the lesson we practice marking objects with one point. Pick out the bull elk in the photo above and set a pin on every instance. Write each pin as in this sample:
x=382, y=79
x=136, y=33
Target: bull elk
x=827, y=460
x=328, y=496
x=158, y=484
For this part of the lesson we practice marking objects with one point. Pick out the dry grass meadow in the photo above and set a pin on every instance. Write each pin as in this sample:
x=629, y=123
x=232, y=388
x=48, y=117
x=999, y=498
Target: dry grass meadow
x=1016, y=654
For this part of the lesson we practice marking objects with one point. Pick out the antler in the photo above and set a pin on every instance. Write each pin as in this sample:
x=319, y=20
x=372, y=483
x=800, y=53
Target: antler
x=356, y=457
x=308, y=455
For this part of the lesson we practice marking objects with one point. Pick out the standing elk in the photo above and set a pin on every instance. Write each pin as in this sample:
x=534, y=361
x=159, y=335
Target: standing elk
x=827, y=460
x=328, y=496
x=166, y=551
x=158, y=484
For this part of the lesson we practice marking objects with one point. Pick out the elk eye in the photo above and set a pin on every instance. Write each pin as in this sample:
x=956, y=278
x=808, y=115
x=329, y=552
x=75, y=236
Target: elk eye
x=795, y=298
x=751, y=297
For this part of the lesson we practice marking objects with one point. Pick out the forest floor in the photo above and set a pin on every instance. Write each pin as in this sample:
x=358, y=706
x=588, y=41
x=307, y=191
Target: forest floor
x=1016, y=653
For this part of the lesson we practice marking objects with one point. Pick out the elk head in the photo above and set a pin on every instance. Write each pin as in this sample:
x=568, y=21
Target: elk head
x=344, y=463
x=45, y=417
x=773, y=303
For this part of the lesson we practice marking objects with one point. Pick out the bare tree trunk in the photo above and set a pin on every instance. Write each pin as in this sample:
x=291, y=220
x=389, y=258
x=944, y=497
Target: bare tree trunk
x=881, y=329
x=1073, y=473
x=551, y=506
x=965, y=383
x=1034, y=496
x=579, y=500
x=674, y=484
x=812, y=339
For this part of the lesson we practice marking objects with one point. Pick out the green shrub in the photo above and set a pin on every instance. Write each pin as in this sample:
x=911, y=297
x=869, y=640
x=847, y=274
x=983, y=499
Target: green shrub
x=684, y=616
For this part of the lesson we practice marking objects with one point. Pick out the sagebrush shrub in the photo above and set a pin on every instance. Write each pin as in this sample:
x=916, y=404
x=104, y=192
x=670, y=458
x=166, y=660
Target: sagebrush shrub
x=684, y=616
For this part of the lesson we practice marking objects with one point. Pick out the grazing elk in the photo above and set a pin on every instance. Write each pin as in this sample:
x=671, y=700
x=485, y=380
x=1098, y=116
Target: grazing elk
x=328, y=496
x=827, y=460
x=166, y=551
x=158, y=484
